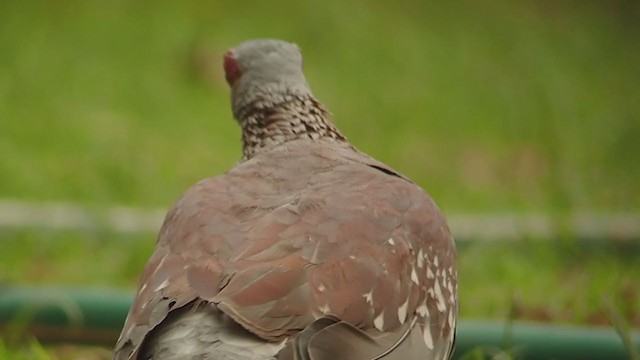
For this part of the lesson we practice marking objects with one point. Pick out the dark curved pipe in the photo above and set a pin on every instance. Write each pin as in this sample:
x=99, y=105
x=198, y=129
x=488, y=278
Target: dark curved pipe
x=95, y=316
x=64, y=314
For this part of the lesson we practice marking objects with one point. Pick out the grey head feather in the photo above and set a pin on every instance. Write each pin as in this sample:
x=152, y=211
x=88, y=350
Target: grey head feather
x=269, y=69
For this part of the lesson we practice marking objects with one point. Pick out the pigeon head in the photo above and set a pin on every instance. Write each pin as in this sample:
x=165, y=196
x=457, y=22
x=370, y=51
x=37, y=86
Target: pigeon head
x=263, y=61
x=264, y=69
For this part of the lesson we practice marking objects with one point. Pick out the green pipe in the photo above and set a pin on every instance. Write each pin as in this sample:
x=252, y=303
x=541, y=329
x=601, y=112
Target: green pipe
x=62, y=314
x=542, y=341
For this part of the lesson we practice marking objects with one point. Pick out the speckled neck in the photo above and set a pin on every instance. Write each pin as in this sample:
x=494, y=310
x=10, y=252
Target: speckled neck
x=266, y=124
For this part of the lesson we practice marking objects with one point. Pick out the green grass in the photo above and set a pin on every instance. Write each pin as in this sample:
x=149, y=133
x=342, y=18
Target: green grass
x=491, y=106
x=30, y=351
x=517, y=106
x=33, y=350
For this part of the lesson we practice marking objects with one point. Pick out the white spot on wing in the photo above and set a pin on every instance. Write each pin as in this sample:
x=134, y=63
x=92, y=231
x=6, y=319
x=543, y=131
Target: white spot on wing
x=435, y=261
x=391, y=242
x=430, y=274
x=369, y=297
x=324, y=309
x=427, y=337
x=420, y=259
x=402, y=311
x=441, y=304
x=423, y=310
x=162, y=285
x=321, y=288
x=414, y=276
x=378, y=322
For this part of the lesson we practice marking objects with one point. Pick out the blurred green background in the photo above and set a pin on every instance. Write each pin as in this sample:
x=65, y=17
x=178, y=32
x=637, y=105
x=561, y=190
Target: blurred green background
x=492, y=106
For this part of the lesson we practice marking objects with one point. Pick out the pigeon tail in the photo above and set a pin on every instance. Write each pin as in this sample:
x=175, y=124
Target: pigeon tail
x=206, y=333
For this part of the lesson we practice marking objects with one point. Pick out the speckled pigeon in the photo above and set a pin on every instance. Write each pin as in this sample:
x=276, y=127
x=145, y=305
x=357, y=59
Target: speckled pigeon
x=307, y=249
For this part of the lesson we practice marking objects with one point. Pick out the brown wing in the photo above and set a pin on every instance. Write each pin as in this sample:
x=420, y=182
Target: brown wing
x=300, y=234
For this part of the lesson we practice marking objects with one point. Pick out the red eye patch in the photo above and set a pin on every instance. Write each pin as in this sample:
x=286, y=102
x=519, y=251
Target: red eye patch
x=231, y=68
